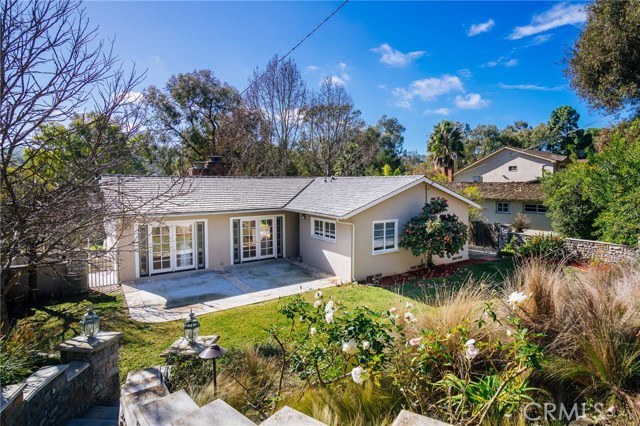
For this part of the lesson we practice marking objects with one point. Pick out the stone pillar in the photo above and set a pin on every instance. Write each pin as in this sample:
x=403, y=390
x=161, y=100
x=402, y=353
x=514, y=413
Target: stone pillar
x=101, y=352
x=504, y=235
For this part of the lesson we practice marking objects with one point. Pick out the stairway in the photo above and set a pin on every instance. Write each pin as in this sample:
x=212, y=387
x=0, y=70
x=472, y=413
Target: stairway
x=146, y=401
x=99, y=415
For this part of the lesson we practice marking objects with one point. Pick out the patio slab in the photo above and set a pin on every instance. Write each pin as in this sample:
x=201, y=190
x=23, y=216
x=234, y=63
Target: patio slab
x=171, y=297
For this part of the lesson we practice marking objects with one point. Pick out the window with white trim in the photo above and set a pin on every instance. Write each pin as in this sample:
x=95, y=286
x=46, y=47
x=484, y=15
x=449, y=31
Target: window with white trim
x=535, y=208
x=502, y=207
x=323, y=229
x=385, y=236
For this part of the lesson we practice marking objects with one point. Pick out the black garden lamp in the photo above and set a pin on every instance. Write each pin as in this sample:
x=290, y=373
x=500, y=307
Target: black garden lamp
x=90, y=324
x=213, y=352
x=191, y=328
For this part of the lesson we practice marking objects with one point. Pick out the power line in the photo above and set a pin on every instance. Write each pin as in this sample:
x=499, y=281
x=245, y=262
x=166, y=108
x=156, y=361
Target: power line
x=295, y=47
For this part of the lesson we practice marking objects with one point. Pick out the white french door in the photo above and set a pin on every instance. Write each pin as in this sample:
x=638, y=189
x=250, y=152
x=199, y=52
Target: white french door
x=172, y=247
x=257, y=239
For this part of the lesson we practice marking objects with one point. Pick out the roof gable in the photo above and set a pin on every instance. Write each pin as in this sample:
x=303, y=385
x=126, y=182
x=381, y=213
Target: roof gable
x=547, y=156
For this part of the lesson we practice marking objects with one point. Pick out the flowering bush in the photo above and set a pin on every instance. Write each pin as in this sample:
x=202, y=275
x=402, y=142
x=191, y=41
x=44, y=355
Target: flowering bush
x=445, y=373
x=434, y=232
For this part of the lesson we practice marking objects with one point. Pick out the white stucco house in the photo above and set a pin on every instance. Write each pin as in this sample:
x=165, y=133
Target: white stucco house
x=345, y=226
x=509, y=182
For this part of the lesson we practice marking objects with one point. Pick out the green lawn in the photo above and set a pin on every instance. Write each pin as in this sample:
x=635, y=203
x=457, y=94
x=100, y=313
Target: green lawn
x=491, y=273
x=239, y=327
x=142, y=343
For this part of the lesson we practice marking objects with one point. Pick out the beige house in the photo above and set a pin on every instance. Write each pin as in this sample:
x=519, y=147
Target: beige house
x=501, y=201
x=512, y=165
x=346, y=226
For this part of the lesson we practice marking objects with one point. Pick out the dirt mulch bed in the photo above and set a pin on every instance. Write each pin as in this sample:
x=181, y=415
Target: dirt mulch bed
x=440, y=271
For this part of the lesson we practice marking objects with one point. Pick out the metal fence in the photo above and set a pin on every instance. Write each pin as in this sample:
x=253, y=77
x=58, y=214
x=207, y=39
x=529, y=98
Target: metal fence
x=102, y=269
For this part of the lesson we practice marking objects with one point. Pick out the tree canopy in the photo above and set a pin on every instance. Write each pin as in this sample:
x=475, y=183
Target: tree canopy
x=604, y=63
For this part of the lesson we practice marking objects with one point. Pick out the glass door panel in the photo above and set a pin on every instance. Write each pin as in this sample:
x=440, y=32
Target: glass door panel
x=249, y=240
x=160, y=249
x=266, y=237
x=184, y=246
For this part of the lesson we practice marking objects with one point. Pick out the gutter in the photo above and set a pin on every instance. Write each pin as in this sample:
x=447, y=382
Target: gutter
x=353, y=248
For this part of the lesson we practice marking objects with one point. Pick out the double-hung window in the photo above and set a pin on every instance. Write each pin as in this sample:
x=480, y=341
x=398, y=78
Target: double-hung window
x=323, y=229
x=385, y=236
x=502, y=207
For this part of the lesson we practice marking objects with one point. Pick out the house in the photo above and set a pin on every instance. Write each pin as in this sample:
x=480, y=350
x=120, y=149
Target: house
x=502, y=200
x=512, y=165
x=509, y=183
x=346, y=226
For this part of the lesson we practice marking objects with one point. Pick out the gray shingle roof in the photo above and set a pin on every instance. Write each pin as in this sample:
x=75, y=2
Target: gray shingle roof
x=335, y=197
x=340, y=196
x=167, y=195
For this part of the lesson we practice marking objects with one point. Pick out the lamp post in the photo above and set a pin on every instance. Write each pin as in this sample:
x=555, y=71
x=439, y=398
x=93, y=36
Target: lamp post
x=213, y=352
x=90, y=324
x=191, y=328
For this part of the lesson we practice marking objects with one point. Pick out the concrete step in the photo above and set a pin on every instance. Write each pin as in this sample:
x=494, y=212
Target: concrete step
x=165, y=410
x=102, y=413
x=91, y=422
x=143, y=375
x=287, y=416
x=216, y=413
x=129, y=402
x=407, y=418
x=133, y=387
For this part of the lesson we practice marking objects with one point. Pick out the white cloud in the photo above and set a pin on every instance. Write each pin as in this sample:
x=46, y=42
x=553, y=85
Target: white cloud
x=501, y=61
x=540, y=39
x=427, y=89
x=133, y=97
x=338, y=81
x=438, y=111
x=312, y=68
x=533, y=87
x=480, y=28
x=382, y=87
x=464, y=73
x=396, y=58
x=342, y=66
x=559, y=15
x=471, y=101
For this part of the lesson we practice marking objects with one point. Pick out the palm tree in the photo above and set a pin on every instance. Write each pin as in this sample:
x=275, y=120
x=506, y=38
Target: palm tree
x=446, y=145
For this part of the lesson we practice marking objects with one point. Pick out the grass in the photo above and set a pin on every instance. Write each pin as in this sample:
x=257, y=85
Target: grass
x=142, y=343
x=489, y=273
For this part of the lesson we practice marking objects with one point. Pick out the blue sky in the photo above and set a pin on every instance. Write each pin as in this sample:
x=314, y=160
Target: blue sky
x=475, y=62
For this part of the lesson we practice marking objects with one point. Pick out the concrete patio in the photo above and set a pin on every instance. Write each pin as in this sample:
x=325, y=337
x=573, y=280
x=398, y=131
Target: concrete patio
x=172, y=296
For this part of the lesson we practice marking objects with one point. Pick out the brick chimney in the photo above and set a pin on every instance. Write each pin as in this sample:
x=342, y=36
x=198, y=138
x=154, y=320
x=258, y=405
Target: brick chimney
x=215, y=166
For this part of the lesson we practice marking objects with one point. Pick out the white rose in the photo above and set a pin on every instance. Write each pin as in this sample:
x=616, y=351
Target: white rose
x=472, y=352
x=350, y=347
x=329, y=306
x=392, y=310
x=517, y=298
x=329, y=317
x=318, y=294
x=357, y=374
x=366, y=345
x=408, y=305
x=410, y=317
x=313, y=331
x=470, y=342
x=317, y=304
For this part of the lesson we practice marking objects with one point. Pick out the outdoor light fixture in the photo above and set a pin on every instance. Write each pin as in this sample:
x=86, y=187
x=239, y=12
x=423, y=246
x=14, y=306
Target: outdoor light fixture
x=191, y=328
x=90, y=323
x=213, y=352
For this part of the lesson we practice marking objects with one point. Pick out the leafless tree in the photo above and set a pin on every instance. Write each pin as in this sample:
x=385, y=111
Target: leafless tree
x=54, y=72
x=278, y=94
x=331, y=123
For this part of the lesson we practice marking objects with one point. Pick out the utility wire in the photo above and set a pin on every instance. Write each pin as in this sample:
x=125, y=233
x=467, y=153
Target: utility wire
x=295, y=47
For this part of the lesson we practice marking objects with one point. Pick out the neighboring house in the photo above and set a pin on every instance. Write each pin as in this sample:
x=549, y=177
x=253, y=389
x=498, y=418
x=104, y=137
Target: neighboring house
x=512, y=165
x=346, y=226
x=502, y=200
x=508, y=180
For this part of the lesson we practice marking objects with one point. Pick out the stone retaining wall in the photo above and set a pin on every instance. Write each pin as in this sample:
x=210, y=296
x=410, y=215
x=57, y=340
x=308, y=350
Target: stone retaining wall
x=579, y=249
x=54, y=394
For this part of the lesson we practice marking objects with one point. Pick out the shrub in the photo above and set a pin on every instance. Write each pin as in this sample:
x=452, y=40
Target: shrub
x=546, y=247
x=434, y=232
x=520, y=222
x=15, y=360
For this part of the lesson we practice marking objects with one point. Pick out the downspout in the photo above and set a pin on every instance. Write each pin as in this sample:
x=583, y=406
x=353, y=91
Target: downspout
x=353, y=248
